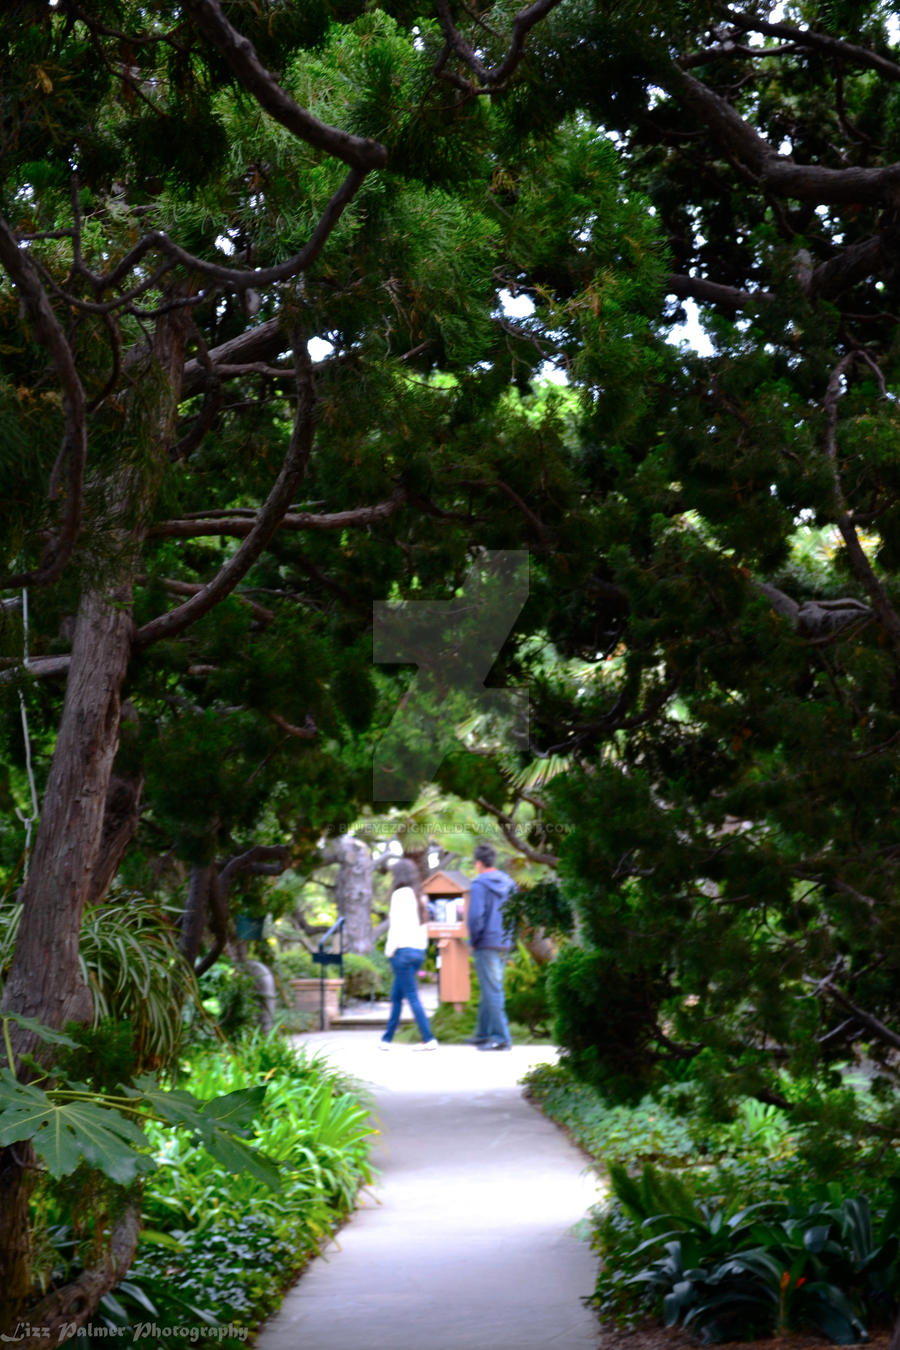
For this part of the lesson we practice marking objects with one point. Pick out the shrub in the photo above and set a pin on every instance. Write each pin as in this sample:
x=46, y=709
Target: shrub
x=647, y=1132
x=603, y=1017
x=220, y=1247
x=229, y=1004
x=297, y=964
x=526, y=992
x=366, y=976
x=768, y=1267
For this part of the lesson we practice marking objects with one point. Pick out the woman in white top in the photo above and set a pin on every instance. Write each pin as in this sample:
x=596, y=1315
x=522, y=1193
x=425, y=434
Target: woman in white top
x=407, y=940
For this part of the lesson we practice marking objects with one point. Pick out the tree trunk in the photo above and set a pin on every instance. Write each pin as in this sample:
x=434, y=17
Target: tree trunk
x=70, y=850
x=266, y=993
x=353, y=892
x=193, y=918
x=121, y=817
x=45, y=978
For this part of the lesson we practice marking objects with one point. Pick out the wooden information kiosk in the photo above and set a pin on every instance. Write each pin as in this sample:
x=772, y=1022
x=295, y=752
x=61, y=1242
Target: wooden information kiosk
x=447, y=893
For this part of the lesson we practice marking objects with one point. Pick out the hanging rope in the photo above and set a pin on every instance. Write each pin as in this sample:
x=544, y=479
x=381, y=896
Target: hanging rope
x=27, y=821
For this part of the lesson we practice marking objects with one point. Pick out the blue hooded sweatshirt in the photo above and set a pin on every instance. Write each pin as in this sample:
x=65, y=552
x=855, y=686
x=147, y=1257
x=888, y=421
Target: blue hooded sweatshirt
x=489, y=893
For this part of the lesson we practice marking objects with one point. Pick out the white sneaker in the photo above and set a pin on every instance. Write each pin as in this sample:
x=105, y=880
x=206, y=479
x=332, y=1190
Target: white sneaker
x=385, y=1045
x=426, y=1045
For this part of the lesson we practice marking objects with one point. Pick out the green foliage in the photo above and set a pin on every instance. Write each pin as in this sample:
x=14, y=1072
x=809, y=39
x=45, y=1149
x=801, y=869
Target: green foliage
x=526, y=993
x=319, y=1133
x=543, y=905
x=131, y=964
x=645, y=1133
x=67, y=1124
x=100, y=1057
x=67, y=1127
x=726, y=1228
x=449, y=1026
x=314, y=1123
x=366, y=976
x=295, y=964
x=602, y=1016
x=714, y=701
x=768, y=1267
x=228, y=1003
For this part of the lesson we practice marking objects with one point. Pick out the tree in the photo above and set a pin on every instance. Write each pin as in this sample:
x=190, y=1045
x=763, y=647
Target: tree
x=190, y=195
x=353, y=890
x=730, y=737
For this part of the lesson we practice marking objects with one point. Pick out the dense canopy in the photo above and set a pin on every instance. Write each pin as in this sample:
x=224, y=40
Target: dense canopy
x=283, y=289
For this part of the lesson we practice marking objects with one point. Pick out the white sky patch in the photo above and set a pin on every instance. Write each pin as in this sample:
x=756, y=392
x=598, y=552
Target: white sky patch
x=554, y=374
x=516, y=306
x=319, y=349
x=691, y=331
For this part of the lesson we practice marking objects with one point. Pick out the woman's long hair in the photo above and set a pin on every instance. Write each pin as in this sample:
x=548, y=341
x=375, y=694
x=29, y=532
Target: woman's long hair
x=405, y=873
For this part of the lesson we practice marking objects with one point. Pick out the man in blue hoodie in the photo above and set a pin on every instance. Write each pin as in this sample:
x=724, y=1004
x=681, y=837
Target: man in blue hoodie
x=490, y=940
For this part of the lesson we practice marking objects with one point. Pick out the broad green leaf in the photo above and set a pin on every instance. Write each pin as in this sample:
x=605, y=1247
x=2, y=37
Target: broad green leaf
x=237, y=1156
x=236, y=1109
x=38, y=1029
x=175, y=1106
x=233, y=1111
x=67, y=1133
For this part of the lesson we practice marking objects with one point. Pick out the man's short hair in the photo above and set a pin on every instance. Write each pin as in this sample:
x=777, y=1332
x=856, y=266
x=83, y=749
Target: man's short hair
x=485, y=853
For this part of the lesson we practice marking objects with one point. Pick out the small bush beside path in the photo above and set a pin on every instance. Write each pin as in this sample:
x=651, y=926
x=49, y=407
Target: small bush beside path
x=732, y=1230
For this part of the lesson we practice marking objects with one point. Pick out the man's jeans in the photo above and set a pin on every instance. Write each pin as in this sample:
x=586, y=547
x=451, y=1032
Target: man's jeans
x=489, y=967
x=405, y=963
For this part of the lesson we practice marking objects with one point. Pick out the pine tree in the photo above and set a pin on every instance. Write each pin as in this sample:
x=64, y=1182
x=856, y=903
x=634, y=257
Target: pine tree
x=731, y=743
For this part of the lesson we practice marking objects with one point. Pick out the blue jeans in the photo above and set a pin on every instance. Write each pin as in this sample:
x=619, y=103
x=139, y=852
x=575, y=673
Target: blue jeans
x=489, y=967
x=405, y=963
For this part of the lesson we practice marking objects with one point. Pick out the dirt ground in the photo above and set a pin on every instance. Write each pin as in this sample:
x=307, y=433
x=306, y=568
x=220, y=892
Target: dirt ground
x=651, y=1337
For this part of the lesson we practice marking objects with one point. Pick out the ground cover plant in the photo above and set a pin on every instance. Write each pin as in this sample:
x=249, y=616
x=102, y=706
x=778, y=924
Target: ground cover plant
x=728, y=1227
x=218, y=1247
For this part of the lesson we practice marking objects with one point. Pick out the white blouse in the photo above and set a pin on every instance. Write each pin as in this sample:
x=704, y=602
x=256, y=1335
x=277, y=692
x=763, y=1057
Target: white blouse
x=404, y=929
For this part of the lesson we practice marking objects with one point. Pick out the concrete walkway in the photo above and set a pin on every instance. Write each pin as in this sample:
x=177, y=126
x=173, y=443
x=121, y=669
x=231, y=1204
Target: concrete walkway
x=466, y=1241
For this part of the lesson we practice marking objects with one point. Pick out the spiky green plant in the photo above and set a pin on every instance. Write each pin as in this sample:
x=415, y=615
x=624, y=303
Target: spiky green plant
x=130, y=962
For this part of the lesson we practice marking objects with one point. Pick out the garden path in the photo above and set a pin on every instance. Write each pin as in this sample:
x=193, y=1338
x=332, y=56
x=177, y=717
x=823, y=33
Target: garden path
x=466, y=1241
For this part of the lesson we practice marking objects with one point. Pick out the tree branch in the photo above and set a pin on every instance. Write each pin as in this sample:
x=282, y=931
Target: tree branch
x=39, y=668
x=21, y=270
x=259, y=612
x=495, y=76
x=360, y=154
x=881, y=601
x=868, y=1020
x=241, y=526
x=507, y=825
x=240, y=278
x=260, y=344
x=824, y=281
x=712, y=292
x=779, y=173
x=308, y=732
x=261, y=529
x=816, y=618
x=73, y=1305
x=808, y=37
